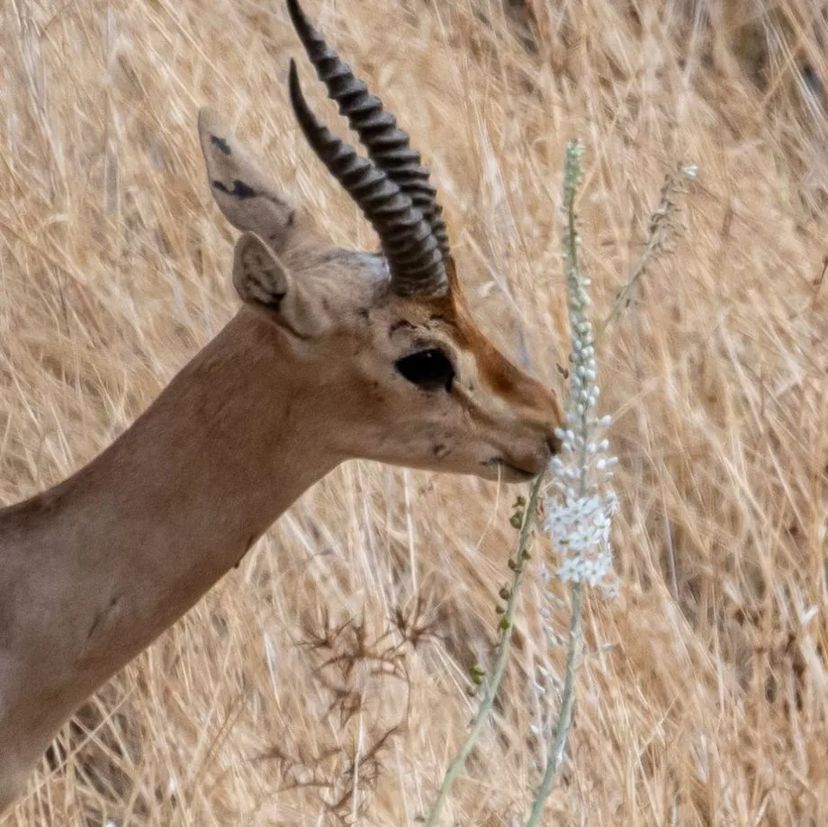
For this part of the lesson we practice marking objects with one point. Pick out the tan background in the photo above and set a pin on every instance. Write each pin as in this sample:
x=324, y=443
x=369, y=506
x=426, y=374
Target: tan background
x=704, y=696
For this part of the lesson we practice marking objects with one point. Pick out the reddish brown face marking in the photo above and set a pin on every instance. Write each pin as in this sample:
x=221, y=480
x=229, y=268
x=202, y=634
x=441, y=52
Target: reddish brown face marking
x=501, y=377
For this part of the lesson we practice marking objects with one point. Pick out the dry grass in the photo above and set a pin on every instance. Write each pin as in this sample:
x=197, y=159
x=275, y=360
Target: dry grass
x=323, y=682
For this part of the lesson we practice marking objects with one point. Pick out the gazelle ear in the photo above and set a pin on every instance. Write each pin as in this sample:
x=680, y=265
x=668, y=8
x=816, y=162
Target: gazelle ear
x=246, y=196
x=263, y=281
x=258, y=275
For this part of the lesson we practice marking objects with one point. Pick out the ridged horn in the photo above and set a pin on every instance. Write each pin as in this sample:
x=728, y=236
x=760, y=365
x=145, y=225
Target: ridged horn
x=413, y=255
x=388, y=145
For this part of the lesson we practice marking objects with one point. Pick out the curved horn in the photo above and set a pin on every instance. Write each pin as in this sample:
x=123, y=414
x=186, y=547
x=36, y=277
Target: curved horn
x=388, y=145
x=413, y=255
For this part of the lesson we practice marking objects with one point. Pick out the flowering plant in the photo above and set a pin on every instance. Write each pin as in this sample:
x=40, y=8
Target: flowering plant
x=582, y=502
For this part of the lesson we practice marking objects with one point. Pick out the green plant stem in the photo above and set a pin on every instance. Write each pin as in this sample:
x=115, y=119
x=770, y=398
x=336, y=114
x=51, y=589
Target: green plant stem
x=493, y=684
x=554, y=759
x=573, y=657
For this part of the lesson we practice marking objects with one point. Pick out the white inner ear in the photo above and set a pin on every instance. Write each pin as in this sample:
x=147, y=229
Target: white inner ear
x=262, y=280
x=258, y=274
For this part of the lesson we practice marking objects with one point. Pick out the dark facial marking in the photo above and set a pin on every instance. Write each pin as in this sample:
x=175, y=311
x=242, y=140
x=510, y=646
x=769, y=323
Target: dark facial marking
x=221, y=144
x=240, y=189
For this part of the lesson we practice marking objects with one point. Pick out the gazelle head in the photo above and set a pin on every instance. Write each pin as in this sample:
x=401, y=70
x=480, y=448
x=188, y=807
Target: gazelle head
x=405, y=375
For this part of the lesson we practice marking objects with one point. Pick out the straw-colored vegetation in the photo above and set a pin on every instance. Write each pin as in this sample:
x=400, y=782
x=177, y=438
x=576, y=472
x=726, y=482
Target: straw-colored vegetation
x=325, y=680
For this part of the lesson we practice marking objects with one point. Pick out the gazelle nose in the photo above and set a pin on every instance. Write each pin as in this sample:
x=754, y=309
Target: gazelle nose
x=554, y=444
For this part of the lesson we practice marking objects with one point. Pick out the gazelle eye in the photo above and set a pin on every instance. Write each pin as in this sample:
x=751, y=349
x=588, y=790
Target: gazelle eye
x=430, y=369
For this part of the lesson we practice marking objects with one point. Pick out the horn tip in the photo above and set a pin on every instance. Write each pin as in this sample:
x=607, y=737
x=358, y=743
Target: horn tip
x=298, y=18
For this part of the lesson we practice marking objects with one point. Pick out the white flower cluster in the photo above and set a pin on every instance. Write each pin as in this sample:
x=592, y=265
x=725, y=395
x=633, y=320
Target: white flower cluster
x=582, y=503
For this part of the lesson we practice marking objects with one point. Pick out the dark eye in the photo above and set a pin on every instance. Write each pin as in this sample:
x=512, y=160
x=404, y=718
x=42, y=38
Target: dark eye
x=430, y=369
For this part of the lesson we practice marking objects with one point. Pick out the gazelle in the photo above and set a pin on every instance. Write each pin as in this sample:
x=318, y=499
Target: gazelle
x=334, y=354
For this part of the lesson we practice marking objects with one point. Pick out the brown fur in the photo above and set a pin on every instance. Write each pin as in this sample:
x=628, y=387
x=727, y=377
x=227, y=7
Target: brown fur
x=301, y=379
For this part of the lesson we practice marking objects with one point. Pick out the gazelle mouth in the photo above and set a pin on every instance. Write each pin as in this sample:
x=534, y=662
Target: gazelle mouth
x=508, y=472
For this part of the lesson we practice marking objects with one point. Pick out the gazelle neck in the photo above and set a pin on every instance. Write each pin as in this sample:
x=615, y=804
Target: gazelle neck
x=94, y=569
